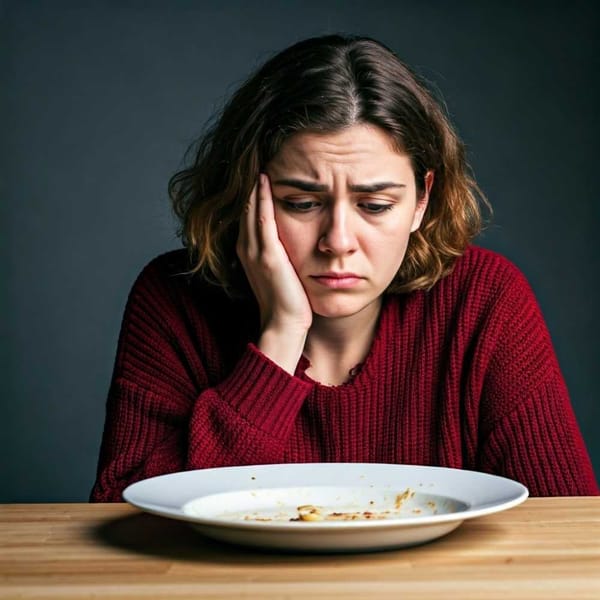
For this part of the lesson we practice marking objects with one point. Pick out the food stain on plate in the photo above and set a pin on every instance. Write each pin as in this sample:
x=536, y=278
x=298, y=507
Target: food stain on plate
x=320, y=504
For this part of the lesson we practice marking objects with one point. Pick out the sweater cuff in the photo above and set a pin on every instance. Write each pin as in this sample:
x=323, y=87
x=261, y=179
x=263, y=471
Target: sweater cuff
x=263, y=393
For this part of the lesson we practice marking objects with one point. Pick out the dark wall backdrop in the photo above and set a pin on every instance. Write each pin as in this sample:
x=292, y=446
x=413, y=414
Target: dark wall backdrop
x=99, y=100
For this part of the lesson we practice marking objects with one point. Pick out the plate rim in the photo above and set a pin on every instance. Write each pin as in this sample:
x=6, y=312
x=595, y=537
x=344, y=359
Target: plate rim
x=520, y=494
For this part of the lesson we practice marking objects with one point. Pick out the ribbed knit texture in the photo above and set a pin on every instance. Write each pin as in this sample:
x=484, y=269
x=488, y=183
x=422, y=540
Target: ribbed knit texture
x=461, y=376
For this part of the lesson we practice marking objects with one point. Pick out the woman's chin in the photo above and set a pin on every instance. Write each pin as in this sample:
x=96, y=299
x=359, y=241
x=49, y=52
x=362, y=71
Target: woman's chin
x=339, y=308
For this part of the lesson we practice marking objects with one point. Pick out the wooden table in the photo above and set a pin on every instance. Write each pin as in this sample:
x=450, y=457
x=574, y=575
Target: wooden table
x=545, y=548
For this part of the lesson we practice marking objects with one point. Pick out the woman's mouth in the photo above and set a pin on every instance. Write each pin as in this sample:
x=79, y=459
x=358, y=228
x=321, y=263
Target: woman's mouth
x=337, y=280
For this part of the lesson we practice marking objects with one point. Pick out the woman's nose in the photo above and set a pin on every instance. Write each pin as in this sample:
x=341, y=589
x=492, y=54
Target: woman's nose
x=337, y=234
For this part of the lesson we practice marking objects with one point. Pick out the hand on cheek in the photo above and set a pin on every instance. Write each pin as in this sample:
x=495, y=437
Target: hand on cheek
x=285, y=311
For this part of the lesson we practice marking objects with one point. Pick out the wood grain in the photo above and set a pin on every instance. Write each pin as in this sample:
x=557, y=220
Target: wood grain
x=545, y=548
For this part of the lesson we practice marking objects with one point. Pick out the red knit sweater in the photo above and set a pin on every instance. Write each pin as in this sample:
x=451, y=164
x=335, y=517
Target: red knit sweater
x=461, y=376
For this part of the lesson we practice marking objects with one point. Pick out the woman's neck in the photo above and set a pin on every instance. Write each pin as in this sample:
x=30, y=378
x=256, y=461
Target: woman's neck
x=334, y=346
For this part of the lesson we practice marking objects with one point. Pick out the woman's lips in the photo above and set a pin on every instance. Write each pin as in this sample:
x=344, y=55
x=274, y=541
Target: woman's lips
x=337, y=280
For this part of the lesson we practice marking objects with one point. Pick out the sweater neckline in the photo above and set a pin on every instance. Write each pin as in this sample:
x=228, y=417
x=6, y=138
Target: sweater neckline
x=368, y=368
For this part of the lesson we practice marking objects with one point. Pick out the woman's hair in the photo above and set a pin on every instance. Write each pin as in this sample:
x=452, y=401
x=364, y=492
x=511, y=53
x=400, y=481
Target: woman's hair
x=323, y=85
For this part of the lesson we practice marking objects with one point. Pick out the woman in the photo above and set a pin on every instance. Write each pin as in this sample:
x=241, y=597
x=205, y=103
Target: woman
x=329, y=306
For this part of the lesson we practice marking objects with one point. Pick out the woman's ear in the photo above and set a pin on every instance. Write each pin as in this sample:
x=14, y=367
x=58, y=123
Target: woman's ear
x=422, y=202
x=429, y=176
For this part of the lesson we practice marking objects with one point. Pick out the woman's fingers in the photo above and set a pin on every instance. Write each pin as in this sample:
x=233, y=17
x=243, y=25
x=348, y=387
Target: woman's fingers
x=267, y=228
x=258, y=236
x=275, y=283
x=247, y=244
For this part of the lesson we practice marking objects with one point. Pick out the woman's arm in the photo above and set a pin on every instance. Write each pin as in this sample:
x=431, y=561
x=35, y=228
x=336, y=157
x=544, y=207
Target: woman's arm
x=540, y=445
x=529, y=429
x=174, y=404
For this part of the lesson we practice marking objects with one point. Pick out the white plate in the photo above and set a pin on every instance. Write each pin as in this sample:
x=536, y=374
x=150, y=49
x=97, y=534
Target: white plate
x=258, y=505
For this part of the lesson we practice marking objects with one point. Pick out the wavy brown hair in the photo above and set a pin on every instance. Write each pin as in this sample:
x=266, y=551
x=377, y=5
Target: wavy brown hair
x=323, y=85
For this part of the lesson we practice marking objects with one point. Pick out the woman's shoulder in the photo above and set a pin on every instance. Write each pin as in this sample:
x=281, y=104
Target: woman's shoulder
x=169, y=278
x=165, y=274
x=481, y=282
x=477, y=259
x=485, y=270
x=169, y=264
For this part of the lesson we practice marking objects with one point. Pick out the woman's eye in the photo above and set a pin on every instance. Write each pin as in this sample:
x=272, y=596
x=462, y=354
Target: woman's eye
x=375, y=208
x=300, y=205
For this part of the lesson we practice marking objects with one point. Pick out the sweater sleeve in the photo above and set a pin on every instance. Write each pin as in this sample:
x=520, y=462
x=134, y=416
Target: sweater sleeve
x=529, y=430
x=166, y=410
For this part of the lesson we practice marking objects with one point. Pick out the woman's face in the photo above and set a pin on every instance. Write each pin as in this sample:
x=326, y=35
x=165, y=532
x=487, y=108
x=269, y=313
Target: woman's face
x=345, y=205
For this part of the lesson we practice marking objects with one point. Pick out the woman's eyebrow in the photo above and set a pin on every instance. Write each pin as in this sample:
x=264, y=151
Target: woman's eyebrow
x=305, y=186
x=311, y=186
x=375, y=187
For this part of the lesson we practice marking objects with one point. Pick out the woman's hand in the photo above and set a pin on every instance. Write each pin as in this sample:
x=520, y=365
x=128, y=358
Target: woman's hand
x=285, y=311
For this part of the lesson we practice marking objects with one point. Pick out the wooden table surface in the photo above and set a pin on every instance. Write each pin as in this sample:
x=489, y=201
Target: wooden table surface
x=544, y=548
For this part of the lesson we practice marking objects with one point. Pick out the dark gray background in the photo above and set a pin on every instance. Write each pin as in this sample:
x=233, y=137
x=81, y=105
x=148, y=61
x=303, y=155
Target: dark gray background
x=99, y=101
